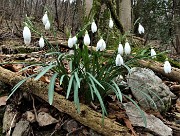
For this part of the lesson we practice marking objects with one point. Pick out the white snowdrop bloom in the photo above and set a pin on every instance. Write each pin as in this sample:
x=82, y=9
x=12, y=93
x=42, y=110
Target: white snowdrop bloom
x=93, y=27
x=127, y=48
x=167, y=67
x=119, y=60
x=101, y=45
x=27, y=35
x=41, y=42
x=47, y=25
x=120, y=49
x=140, y=29
x=153, y=53
x=86, y=39
x=74, y=40
x=111, y=23
x=70, y=42
x=45, y=18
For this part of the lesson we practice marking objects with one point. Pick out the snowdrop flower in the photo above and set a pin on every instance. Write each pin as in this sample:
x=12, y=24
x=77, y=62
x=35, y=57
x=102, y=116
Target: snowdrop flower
x=119, y=60
x=93, y=27
x=45, y=18
x=27, y=35
x=71, y=52
x=47, y=25
x=140, y=29
x=74, y=40
x=70, y=42
x=120, y=49
x=41, y=42
x=127, y=48
x=86, y=39
x=153, y=53
x=111, y=23
x=167, y=67
x=101, y=45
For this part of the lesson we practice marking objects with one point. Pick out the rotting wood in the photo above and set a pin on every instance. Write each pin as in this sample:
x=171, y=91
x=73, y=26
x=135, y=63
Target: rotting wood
x=158, y=67
x=87, y=116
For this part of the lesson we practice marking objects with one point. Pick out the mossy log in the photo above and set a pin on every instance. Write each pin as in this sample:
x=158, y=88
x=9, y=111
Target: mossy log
x=158, y=67
x=87, y=116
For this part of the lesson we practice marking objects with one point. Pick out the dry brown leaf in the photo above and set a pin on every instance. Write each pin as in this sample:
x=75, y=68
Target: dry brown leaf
x=45, y=79
x=178, y=105
x=129, y=125
x=3, y=100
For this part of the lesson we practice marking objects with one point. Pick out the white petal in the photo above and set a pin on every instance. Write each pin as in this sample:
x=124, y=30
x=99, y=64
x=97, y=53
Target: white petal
x=167, y=67
x=45, y=18
x=47, y=26
x=27, y=35
x=120, y=49
x=140, y=29
x=41, y=42
x=127, y=48
x=153, y=53
x=70, y=42
x=74, y=40
x=119, y=60
x=111, y=23
x=93, y=27
x=101, y=45
x=86, y=39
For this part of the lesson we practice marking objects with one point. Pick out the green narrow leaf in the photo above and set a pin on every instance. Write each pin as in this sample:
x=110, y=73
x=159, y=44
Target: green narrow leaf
x=141, y=112
x=51, y=53
x=92, y=93
x=69, y=86
x=51, y=88
x=119, y=92
x=77, y=78
x=25, y=68
x=18, y=85
x=76, y=97
x=61, y=80
x=47, y=68
x=95, y=80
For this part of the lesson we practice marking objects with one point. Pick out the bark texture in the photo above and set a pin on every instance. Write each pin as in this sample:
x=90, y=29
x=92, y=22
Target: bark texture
x=87, y=116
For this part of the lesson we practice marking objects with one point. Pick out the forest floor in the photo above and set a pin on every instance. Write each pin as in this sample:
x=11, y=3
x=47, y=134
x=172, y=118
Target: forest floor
x=25, y=105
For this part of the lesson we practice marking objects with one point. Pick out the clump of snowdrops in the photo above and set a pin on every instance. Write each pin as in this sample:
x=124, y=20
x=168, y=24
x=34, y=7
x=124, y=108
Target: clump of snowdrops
x=90, y=75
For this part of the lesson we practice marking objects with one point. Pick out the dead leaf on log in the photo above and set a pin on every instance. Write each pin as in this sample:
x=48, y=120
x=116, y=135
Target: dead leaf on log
x=3, y=100
x=129, y=125
x=13, y=67
x=178, y=105
x=45, y=79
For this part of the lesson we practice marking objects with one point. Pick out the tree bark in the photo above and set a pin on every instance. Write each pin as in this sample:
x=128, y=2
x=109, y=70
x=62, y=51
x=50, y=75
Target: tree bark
x=87, y=116
x=158, y=67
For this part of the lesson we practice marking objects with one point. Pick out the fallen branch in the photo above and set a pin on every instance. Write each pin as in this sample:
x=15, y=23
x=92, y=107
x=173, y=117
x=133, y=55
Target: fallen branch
x=158, y=67
x=87, y=116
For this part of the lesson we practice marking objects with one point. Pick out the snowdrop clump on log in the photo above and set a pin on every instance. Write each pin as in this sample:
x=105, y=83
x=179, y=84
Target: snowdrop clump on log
x=167, y=67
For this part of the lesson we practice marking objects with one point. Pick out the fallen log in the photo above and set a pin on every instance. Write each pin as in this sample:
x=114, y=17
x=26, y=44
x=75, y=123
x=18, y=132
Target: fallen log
x=158, y=67
x=87, y=116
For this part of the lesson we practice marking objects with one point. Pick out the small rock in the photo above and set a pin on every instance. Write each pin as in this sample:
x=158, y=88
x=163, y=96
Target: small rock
x=9, y=117
x=30, y=116
x=154, y=124
x=70, y=125
x=22, y=128
x=45, y=119
x=143, y=82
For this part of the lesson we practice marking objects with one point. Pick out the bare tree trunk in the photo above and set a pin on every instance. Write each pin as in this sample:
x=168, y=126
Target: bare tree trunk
x=88, y=6
x=125, y=13
x=177, y=24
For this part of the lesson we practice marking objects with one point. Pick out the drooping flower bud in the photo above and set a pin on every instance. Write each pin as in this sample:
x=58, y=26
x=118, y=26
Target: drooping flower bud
x=111, y=23
x=93, y=27
x=74, y=40
x=27, y=35
x=140, y=29
x=41, y=42
x=45, y=18
x=101, y=45
x=167, y=67
x=153, y=53
x=120, y=49
x=127, y=48
x=70, y=42
x=47, y=25
x=86, y=39
x=119, y=60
